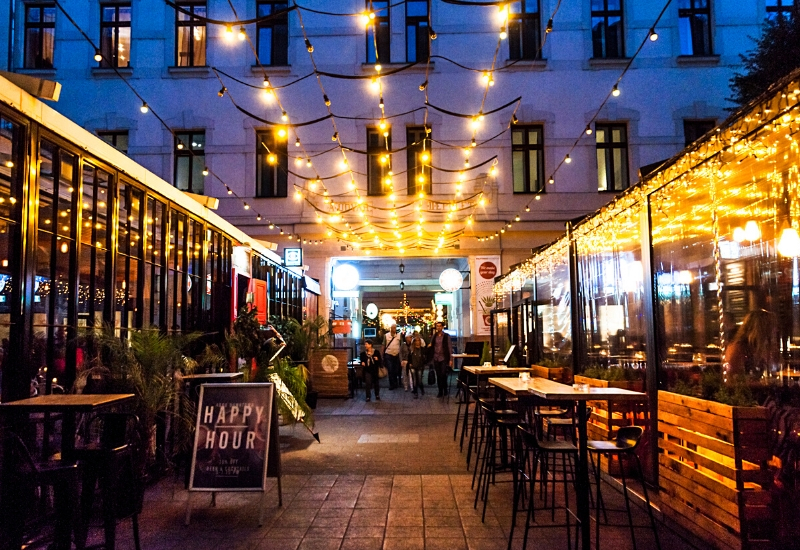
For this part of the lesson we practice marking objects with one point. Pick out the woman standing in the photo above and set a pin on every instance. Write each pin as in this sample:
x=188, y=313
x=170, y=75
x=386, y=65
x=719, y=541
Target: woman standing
x=416, y=363
x=371, y=362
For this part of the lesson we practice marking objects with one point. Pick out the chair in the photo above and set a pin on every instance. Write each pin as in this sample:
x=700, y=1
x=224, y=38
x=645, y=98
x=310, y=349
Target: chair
x=623, y=446
x=111, y=459
x=25, y=476
x=534, y=452
x=500, y=424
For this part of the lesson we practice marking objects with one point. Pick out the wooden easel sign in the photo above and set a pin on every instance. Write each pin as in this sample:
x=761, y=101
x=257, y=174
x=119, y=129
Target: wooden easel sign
x=232, y=440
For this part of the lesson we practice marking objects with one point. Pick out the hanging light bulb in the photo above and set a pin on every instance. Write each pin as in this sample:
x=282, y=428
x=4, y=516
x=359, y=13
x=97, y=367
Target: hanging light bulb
x=789, y=243
x=230, y=191
x=516, y=219
x=180, y=144
x=297, y=142
x=738, y=235
x=309, y=47
x=266, y=82
x=432, y=33
x=98, y=55
x=269, y=95
x=567, y=159
x=615, y=91
x=326, y=100
x=222, y=91
x=751, y=231
x=551, y=181
x=228, y=32
x=425, y=156
x=246, y=206
x=205, y=170
x=528, y=208
x=144, y=108
x=549, y=28
x=242, y=34
x=365, y=18
x=588, y=130
x=284, y=116
x=298, y=162
x=272, y=158
x=473, y=144
x=380, y=103
x=653, y=34
x=503, y=33
x=308, y=162
x=335, y=136
x=423, y=86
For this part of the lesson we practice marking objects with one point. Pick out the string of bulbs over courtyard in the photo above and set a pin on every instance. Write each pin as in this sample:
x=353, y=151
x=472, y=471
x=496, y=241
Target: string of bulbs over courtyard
x=346, y=213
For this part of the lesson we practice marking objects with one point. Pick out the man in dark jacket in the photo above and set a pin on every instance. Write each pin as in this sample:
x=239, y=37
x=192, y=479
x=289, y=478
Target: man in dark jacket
x=440, y=352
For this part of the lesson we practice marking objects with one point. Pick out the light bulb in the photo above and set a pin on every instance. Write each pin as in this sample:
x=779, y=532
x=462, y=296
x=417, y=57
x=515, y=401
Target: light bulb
x=144, y=108
x=271, y=158
x=738, y=234
x=282, y=133
x=308, y=163
x=297, y=142
x=326, y=100
x=180, y=144
x=473, y=144
x=98, y=56
x=551, y=181
x=425, y=156
x=378, y=67
x=653, y=34
x=298, y=195
x=309, y=47
x=228, y=32
x=567, y=159
x=365, y=19
x=266, y=82
x=382, y=124
x=503, y=33
x=298, y=162
x=588, y=130
x=242, y=34
x=789, y=243
x=246, y=206
x=751, y=231
x=423, y=86
x=615, y=91
x=205, y=170
x=284, y=116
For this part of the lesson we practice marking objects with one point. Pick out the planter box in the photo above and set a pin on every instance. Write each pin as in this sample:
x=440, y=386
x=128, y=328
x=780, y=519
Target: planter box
x=713, y=470
x=607, y=417
x=558, y=374
x=328, y=368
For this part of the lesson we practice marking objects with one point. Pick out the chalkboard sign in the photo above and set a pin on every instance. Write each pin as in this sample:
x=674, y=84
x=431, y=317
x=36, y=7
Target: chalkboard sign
x=232, y=437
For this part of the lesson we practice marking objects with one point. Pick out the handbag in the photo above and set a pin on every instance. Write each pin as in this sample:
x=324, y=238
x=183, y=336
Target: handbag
x=383, y=372
x=431, y=376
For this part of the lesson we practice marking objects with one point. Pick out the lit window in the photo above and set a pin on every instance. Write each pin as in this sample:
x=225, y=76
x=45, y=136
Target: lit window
x=115, y=35
x=190, y=34
x=40, y=34
x=524, y=30
x=527, y=159
x=379, y=161
x=416, y=143
x=612, y=157
x=694, y=24
x=273, y=34
x=607, y=29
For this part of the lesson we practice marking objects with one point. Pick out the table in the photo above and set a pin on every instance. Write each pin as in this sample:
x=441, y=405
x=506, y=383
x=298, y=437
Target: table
x=555, y=391
x=193, y=381
x=69, y=405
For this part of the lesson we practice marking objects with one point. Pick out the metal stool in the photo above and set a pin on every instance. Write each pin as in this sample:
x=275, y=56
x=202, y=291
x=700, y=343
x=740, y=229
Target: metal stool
x=623, y=446
x=500, y=424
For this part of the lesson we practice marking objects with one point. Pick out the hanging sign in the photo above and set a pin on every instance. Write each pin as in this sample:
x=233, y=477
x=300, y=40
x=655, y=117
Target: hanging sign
x=293, y=257
x=486, y=268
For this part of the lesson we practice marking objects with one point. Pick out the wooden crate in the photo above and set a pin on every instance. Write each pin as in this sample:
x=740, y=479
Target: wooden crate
x=558, y=374
x=328, y=368
x=713, y=470
x=607, y=417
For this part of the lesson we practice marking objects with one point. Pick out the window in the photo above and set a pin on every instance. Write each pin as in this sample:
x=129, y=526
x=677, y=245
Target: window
x=527, y=159
x=272, y=165
x=190, y=160
x=612, y=157
x=780, y=8
x=40, y=34
x=694, y=24
x=695, y=129
x=115, y=35
x=118, y=139
x=190, y=35
x=379, y=161
x=418, y=170
x=524, y=22
x=272, y=35
x=417, y=45
x=607, y=29
x=378, y=33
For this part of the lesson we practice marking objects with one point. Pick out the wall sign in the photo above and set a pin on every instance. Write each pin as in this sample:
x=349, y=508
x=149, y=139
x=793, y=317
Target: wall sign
x=293, y=257
x=487, y=268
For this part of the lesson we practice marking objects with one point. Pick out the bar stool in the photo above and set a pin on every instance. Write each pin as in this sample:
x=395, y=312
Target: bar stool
x=534, y=452
x=500, y=425
x=480, y=427
x=623, y=446
x=462, y=398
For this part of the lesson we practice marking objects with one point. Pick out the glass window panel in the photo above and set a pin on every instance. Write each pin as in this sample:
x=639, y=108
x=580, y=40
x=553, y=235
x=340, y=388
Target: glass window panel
x=554, y=310
x=124, y=47
x=518, y=169
x=517, y=138
x=87, y=205
x=6, y=279
x=602, y=174
x=85, y=294
x=533, y=170
x=66, y=192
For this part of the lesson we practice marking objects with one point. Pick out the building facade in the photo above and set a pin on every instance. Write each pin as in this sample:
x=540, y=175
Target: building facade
x=202, y=67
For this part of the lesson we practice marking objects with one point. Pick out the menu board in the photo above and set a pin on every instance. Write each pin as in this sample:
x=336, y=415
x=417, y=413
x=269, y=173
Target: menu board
x=232, y=437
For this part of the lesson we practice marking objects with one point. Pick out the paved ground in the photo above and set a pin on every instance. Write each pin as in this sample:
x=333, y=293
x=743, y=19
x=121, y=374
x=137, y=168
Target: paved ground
x=386, y=476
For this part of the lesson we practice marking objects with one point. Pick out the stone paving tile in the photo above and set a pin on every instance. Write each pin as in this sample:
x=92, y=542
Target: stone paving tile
x=405, y=531
x=365, y=530
x=362, y=543
x=456, y=543
x=443, y=532
x=278, y=544
x=404, y=543
x=442, y=521
x=326, y=543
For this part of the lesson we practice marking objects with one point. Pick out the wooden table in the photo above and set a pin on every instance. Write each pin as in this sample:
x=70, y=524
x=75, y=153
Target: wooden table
x=555, y=391
x=194, y=381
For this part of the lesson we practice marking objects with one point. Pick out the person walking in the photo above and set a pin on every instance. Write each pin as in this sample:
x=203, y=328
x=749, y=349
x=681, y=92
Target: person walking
x=416, y=363
x=440, y=350
x=405, y=367
x=371, y=362
x=391, y=355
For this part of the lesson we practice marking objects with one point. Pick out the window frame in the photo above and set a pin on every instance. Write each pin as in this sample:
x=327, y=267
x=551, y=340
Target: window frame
x=41, y=26
x=113, y=136
x=375, y=183
x=276, y=44
x=691, y=13
x=605, y=14
x=279, y=178
x=517, y=30
x=414, y=146
x=188, y=151
x=418, y=23
x=780, y=10
x=526, y=147
x=696, y=123
x=609, y=146
x=111, y=59
x=192, y=22
x=382, y=21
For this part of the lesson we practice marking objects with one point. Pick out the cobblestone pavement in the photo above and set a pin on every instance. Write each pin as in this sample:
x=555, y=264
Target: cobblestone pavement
x=387, y=475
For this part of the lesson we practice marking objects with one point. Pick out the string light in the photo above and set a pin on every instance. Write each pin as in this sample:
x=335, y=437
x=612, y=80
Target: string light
x=309, y=47
x=205, y=170
x=653, y=34
x=228, y=32
x=98, y=55
x=242, y=34
x=144, y=108
x=615, y=91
